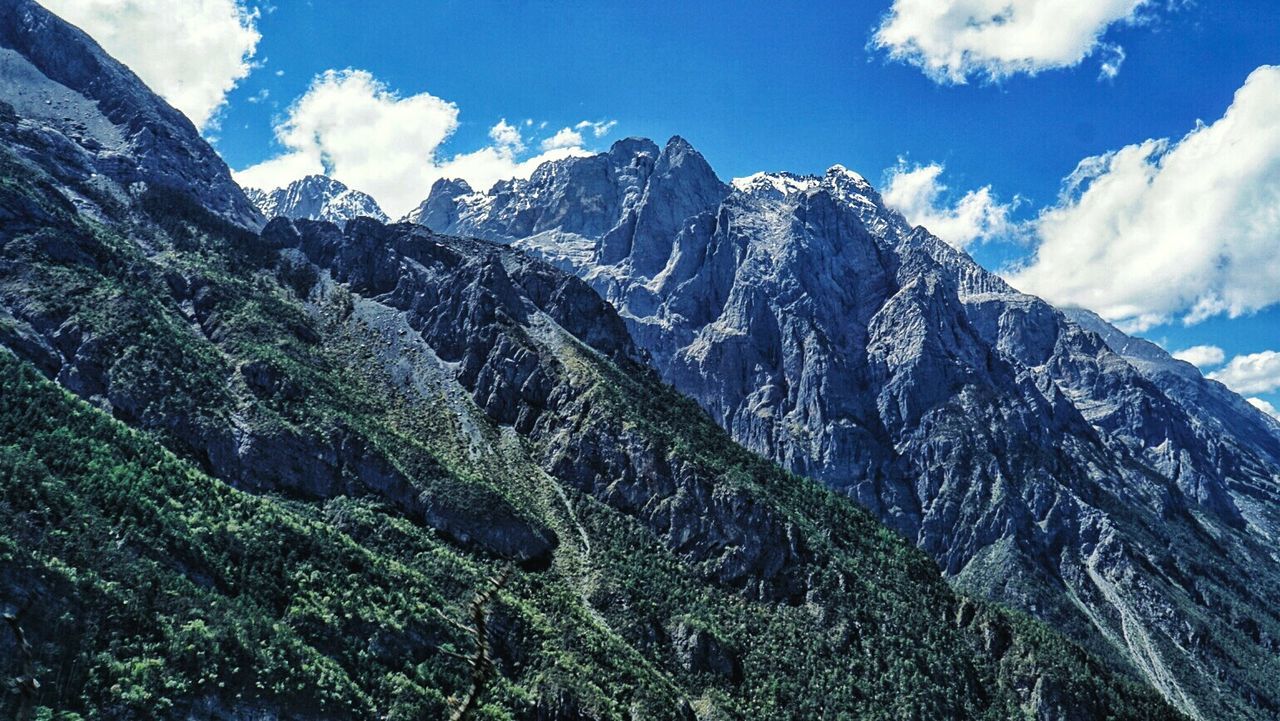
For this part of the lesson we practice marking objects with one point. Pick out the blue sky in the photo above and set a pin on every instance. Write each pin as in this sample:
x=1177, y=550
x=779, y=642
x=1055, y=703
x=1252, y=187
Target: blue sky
x=761, y=86
x=800, y=86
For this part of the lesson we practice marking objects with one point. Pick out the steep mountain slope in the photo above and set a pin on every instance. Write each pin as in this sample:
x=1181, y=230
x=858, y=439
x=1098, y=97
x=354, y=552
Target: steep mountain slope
x=435, y=408
x=109, y=132
x=1128, y=502
x=316, y=197
x=375, y=472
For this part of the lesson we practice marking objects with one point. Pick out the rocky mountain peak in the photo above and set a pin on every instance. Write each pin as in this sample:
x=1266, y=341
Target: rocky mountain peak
x=842, y=183
x=625, y=151
x=682, y=186
x=317, y=197
x=780, y=185
x=439, y=207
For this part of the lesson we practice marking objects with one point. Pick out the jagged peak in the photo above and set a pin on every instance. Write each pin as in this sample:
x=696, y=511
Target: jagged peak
x=316, y=197
x=838, y=171
x=632, y=146
x=448, y=188
x=317, y=179
x=782, y=183
x=678, y=143
x=679, y=153
x=677, y=148
x=839, y=180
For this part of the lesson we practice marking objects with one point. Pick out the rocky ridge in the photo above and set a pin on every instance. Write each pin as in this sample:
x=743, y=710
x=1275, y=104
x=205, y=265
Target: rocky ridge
x=1041, y=457
x=316, y=197
x=113, y=136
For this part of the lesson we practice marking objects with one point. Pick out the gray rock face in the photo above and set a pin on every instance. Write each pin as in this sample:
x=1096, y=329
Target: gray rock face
x=316, y=197
x=491, y=314
x=78, y=103
x=439, y=206
x=1043, y=458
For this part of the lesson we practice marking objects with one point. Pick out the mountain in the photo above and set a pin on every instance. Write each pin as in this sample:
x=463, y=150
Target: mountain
x=316, y=197
x=111, y=135
x=313, y=472
x=1041, y=457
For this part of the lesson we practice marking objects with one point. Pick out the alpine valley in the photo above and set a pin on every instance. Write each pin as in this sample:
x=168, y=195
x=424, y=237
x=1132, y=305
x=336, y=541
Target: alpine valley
x=620, y=441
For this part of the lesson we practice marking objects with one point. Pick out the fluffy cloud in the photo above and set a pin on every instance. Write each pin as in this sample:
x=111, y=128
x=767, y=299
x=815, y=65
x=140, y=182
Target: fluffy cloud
x=952, y=40
x=1202, y=356
x=1171, y=229
x=1253, y=373
x=350, y=126
x=191, y=52
x=506, y=135
x=564, y=138
x=918, y=194
x=1265, y=407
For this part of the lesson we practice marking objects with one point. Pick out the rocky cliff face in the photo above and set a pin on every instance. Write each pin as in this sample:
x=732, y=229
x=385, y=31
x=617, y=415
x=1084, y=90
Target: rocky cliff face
x=82, y=106
x=1043, y=458
x=316, y=197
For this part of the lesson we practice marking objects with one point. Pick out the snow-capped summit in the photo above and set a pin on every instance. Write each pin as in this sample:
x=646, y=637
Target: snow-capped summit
x=837, y=178
x=783, y=184
x=316, y=197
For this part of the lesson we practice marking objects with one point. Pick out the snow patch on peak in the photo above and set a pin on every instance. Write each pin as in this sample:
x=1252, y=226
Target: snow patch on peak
x=316, y=197
x=783, y=183
x=840, y=170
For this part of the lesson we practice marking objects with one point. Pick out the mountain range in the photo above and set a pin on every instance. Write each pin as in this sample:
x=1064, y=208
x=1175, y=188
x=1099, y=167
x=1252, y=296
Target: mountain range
x=620, y=441
x=1040, y=456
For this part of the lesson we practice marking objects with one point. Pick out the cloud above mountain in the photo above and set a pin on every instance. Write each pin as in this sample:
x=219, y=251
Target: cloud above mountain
x=1202, y=356
x=352, y=127
x=1171, y=229
x=191, y=52
x=1252, y=373
x=955, y=40
x=1265, y=407
x=918, y=193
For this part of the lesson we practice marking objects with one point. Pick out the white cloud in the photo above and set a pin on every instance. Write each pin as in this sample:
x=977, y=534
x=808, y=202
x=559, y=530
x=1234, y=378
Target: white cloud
x=352, y=127
x=506, y=134
x=564, y=138
x=1167, y=229
x=1113, y=58
x=1253, y=373
x=191, y=52
x=1201, y=356
x=598, y=128
x=1265, y=407
x=952, y=40
x=918, y=194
